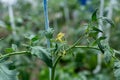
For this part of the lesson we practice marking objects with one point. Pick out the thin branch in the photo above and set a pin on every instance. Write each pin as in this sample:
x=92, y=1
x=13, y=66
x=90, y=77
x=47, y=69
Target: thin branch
x=75, y=43
x=14, y=53
x=118, y=52
x=87, y=47
x=59, y=57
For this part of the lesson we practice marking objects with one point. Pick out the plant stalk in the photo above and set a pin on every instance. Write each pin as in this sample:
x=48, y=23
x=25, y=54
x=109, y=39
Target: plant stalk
x=59, y=57
x=54, y=67
x=13, y=53
x=90, y=47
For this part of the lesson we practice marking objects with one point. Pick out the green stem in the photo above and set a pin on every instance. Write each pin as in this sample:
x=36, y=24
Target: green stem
x=14, y=53
x=118, y=52
x=59, y=57
x=75, y=43
x=87, y=47
x=53, y=74
x=54, y=67
x=57, y=60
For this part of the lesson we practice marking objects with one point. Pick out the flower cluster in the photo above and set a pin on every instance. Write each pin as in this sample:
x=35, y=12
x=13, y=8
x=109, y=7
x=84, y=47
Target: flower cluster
x=60, y=37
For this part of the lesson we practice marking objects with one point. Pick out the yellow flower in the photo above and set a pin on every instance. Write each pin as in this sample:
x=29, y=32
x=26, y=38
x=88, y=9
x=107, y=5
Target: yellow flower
x=60, y=36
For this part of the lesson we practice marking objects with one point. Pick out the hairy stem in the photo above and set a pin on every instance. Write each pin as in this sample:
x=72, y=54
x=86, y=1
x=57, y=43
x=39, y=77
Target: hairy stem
x=90, y=47
x=59, y=57
x=14, y=53
x=54, y=67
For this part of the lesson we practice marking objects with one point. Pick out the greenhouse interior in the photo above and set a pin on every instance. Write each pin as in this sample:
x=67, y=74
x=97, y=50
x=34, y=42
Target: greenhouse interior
x=59, y=39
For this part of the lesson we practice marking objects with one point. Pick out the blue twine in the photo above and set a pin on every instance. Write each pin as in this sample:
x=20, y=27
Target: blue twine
x=46, y=20
x=46, y=15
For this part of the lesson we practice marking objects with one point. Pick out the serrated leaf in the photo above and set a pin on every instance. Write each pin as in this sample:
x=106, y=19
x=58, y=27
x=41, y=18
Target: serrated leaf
x=49, y=33
x=94, y=15
x=117, y=64
x=102, y=38
x=42, y=54
x=107, y=56
x=98, y=40
x=109, y=21
x=117, y=70
x=101, y=47
x=96, y=29
x=35, y=38
x=6, y=74
x=108, y=53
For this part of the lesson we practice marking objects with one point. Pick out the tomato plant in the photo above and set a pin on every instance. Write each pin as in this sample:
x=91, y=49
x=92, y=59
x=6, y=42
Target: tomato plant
x=27, y=46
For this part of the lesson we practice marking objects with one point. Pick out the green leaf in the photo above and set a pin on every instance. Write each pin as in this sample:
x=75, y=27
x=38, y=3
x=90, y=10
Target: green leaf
x=97, y=41
x=101, y=47
x=49, y=33
x=107, y=56
x=29, y=36
x=108, y=53
x=93, y=34
x=9, y=50
x=109, y=21
x=96, y=29
x=117, y=70
x=42, y=54
x=6, y=74
x=35, y=38
x=102, y=38
x=94, y=15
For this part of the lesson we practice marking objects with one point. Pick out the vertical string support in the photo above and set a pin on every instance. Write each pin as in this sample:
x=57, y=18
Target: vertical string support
x=99, y=60
x=66, y=12
x=45, y=3
x=46, y=20
x=11, y=15
x=109, y=16
x=101, y=15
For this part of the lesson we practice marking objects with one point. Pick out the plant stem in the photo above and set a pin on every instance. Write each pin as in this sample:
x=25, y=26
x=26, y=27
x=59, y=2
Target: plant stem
x=14, y=53
x=54, y=67
x=118, y=52
x=53, y=74
x=59, y=57
x=87, y=47
x=75, y=43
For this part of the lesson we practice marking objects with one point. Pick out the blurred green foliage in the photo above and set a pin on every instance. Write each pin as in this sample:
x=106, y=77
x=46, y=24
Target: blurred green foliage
x=29, y=21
